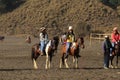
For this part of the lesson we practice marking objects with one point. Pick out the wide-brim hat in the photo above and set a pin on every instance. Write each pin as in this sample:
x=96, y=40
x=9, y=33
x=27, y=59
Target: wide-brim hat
x=42, y=28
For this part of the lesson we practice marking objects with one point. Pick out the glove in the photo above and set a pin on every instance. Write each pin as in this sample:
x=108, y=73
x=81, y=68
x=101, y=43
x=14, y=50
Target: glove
x=115, y=42
x=110, y=54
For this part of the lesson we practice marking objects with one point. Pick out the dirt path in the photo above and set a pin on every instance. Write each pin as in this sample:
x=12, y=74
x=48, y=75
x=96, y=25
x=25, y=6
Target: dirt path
x=15, y=63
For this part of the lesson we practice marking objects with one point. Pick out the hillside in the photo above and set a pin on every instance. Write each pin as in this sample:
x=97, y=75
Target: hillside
x=57, y=15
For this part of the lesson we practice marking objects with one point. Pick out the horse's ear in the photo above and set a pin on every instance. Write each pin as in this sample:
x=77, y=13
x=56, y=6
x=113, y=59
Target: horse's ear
x=76, y=40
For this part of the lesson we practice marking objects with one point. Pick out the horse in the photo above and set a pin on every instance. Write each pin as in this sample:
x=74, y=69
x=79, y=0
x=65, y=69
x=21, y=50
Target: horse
x=74, y=51
x=50, y=48
x=116, y=54
x=2, y=38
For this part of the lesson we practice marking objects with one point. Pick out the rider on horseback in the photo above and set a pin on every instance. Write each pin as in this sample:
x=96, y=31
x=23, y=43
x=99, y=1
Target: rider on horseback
x=43, y=39
x=70, y=38
x=115, y=36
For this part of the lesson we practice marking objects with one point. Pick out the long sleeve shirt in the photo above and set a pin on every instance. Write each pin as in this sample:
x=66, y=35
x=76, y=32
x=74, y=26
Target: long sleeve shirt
x=115, y=37
x=70, y=37
x=43, y=37
x=107, y=45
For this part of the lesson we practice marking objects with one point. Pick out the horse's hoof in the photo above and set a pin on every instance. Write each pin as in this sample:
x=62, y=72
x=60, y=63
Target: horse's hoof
x=116, y=67
x=46, y=68
x=76, y=67
x=111, y=66
x=35, y=67
x=67, y=67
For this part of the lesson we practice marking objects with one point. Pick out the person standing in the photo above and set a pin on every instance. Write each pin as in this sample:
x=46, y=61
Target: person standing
x=106, y=50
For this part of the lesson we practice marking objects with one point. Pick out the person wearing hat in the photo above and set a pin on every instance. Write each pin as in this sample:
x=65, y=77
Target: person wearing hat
x=115, y=36
x=107, y=51
x=70, y=38
x=43, y=39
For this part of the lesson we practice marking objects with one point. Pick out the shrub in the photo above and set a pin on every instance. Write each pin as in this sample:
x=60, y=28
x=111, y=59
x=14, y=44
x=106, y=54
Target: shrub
x=111, y=3
x=9, y=5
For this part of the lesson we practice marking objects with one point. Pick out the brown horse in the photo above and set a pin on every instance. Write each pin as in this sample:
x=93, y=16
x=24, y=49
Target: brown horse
x=74, y=51
x=50, y=48
x=116, y=54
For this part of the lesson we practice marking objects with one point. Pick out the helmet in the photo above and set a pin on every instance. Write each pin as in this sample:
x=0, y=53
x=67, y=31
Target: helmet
x=70, y=28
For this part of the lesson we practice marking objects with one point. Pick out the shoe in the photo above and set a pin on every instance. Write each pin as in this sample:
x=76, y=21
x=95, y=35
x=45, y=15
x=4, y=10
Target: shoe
x=111, y=66
x=106, y=68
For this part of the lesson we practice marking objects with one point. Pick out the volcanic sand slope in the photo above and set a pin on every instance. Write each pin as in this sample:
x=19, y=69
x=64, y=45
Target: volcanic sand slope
x=57, y=15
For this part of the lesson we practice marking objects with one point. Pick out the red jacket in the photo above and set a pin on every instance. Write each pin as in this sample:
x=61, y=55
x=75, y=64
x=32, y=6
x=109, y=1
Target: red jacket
x=115, y=37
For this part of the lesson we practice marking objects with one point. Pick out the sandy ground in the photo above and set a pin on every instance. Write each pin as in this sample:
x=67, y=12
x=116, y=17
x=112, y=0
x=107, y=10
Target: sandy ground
x=16, y=64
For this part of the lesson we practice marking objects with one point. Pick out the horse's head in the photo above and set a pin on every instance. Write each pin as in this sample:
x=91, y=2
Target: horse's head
x=54, y=43
x=75, y=45
x=80, y=41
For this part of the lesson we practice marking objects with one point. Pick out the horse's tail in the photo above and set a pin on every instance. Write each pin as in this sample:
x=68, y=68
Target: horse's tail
x=63, y=60
x=32, y=53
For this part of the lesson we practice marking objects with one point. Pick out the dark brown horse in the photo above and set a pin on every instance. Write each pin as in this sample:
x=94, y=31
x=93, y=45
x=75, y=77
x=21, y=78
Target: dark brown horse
x=74, y=51
x=50, y=48
x=115, y=54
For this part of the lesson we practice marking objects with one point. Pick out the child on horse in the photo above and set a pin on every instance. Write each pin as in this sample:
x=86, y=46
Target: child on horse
x=106, y=50
x=43, y=39
x=70, y=38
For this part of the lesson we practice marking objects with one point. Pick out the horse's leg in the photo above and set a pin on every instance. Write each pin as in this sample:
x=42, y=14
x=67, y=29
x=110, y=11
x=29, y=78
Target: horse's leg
x=50, y=60
x=76, y=62
x=111, y=61
x=62, y=62
x=66, y=63
x=34, y=57
x=73, y=59
x=116, y=66
x=35, y=64
x=47, y=58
